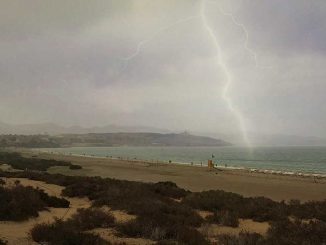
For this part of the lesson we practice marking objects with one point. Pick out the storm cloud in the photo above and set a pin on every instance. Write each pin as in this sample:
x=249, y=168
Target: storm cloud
x=64, y=62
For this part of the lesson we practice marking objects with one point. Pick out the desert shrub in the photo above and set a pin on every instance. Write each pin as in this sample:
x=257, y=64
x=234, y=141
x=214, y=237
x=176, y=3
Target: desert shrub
x=90, y=187
x=167, y=212
x=136, y=228
x=159, y=220
x=244, y=238
x=214, y=200
x=22, y=163
x=72, y=231
x=52, y=201
x=20, y=203
x=262, y=209
x=258, y=208
x=186, y=235
x=227, y=239
x=282, y=232
x=162, y=219
x=167, y=242
x=224, y=217
x=3, y=242
x=149, y=228
x=308, y=210
x=75, y=167
x=137, y=198
x=169, y=189
x=87, y=219
x=297, y=232
x=62, y=233
x=156, y=212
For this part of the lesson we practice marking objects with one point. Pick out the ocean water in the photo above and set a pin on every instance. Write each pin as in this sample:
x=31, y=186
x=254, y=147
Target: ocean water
x=309, y=160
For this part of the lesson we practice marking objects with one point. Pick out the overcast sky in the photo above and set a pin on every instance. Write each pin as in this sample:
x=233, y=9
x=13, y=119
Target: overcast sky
x=64, y=61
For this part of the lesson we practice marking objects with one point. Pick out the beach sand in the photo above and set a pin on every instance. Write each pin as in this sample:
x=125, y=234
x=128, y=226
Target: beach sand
x=275, y=186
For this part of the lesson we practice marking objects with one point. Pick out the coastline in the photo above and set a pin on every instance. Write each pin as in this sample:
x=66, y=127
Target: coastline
x=197, y=178
x=216, y=166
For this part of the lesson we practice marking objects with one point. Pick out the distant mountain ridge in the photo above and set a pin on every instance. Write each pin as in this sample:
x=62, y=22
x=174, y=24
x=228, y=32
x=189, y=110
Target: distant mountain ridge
x=108, y=139
x=55, y=129
x=256, y=139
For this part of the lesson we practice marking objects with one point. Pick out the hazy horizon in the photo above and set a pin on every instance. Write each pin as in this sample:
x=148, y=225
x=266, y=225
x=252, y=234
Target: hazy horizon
x=256, y=140
x=152, y=63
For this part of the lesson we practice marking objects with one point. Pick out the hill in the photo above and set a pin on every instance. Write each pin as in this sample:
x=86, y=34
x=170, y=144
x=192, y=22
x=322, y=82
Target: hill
x=55, y=129
x=109, y=139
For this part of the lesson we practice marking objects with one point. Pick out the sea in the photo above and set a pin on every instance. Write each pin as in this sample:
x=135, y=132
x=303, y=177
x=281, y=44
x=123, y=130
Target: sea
x=289, y=160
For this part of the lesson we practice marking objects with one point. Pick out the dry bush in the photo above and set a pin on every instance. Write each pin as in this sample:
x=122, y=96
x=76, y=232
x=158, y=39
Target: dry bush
x=75, y=167
x=170, y=222
x=224, y=217
x=20, y=203
x=88, y=219
x=3, y=242
x=244, y=238
x=62, y=233
x=297, y=232
x=257, y=208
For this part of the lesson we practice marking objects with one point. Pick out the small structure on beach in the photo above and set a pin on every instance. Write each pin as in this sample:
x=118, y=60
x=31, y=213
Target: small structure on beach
x=210, y=164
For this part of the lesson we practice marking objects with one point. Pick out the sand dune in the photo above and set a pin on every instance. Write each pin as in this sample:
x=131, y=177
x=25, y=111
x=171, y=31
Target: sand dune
x=17, y=233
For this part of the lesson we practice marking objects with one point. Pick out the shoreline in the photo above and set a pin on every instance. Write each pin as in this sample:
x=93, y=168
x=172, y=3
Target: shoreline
x=195, y=178
x=217, y=167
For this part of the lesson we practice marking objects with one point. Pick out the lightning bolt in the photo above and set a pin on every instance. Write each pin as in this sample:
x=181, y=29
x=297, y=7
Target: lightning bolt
x=152, y=37
x=219, y=60
x=228, y=78
x=246, y=34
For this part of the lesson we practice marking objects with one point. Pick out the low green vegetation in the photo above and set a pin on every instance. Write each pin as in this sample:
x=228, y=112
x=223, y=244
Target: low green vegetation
x=23, y=163
x=167, y=214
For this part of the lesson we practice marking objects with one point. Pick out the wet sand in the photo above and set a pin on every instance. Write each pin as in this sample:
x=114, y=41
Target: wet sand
x=194, y=178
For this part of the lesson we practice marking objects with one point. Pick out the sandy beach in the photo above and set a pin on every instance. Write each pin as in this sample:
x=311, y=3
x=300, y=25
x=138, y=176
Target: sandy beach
x=275, y=186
